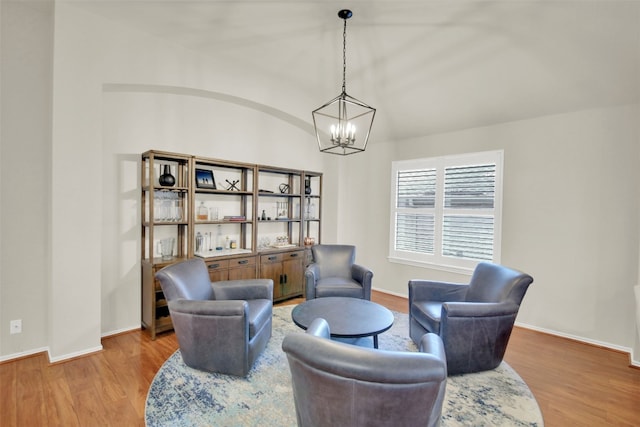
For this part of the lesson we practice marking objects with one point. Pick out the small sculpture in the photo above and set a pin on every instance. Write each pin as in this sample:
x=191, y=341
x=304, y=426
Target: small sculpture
x=232, y=185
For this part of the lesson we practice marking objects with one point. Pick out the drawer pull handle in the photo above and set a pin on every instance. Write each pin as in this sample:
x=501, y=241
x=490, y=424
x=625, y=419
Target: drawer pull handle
x=244, y=261
x=214, y=266
x=271, y=258
x=293, y=255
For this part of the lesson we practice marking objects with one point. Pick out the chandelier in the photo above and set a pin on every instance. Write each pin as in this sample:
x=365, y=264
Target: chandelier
x=343, y=124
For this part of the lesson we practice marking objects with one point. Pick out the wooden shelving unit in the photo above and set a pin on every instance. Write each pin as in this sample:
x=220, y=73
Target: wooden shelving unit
x=214, y=211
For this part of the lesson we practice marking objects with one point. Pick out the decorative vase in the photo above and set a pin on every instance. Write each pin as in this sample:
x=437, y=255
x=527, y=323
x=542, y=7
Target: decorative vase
x=166, y=179
x=307, y=185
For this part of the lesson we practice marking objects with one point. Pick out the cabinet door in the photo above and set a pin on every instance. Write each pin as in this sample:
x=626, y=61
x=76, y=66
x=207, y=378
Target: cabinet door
x=271, y=268
x=273, y=272
x=293, y=273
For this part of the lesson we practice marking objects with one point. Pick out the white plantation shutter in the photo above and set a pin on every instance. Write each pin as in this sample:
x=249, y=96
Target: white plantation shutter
x=415, y=233
x=446, y=211
x=468, y=236
x=469, y=193
x=415, y=220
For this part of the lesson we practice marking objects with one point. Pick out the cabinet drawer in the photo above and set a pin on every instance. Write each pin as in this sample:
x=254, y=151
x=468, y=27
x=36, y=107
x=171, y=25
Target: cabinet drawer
x=218, y=265
x=270, y=259
x=242, y=262
x=293, y=255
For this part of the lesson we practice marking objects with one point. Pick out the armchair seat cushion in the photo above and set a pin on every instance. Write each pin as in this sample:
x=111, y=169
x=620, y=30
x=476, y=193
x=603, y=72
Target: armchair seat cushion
x=338, y=287
x=427, y=314
x=260, y=312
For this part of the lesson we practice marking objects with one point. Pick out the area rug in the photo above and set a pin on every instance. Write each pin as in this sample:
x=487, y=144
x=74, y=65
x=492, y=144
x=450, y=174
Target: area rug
x=181, y=396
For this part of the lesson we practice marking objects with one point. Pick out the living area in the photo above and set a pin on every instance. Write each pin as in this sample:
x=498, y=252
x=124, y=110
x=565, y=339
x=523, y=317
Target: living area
x=110, y=90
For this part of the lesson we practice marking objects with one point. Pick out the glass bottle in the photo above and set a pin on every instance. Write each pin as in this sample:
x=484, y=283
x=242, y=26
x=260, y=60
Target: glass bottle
x=199, y=242
x=203, y=212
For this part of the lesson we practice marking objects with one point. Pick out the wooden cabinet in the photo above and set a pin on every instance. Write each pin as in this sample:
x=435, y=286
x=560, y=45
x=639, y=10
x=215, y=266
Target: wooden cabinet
x=236, y=216
x=286, y=269
x=232, y=269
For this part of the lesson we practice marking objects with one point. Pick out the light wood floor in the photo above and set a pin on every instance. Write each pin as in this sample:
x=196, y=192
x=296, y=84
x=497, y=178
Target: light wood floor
x=575, y=384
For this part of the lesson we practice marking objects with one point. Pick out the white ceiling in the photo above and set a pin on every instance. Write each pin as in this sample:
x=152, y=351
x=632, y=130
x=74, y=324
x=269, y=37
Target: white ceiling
x=427, y=66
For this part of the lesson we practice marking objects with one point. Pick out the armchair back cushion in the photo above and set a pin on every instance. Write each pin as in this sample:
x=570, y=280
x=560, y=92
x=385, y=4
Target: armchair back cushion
x=187, y=280
x=495, y=283
x=334, y=260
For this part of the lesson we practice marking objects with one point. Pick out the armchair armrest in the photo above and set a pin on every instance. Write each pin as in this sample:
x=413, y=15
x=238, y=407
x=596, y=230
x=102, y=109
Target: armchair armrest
x=319, y=328
x=478, y=309
x=427, y=290
x=364, y=276
x=243, y=289
x=311, y=275
x=431, y=343
x=208, y=307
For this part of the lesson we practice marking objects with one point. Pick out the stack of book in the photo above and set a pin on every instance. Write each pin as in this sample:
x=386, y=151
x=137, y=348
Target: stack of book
x=235, y=218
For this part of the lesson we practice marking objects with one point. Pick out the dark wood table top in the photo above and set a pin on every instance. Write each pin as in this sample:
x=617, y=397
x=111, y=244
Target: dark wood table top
x=347, y=317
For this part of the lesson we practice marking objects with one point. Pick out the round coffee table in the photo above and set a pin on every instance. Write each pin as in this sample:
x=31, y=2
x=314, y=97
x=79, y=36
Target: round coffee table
x=347, y=317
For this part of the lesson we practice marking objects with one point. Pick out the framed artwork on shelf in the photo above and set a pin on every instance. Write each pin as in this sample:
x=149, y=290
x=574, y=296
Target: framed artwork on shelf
x=204, y=179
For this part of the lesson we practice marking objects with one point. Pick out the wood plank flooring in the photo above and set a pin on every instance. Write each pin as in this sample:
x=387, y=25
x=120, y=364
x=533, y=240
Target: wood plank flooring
x=575, y=384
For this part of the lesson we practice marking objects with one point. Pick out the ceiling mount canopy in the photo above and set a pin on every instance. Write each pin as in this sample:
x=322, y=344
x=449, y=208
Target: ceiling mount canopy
x=343, y=124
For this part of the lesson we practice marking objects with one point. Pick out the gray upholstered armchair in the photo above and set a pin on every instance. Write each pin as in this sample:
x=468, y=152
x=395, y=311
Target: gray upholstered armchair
x=338, y=384
x=221, y=326
x=335, y=274
x=474, y=320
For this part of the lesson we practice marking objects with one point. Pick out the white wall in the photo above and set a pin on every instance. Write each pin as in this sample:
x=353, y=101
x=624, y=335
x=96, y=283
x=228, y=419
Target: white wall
x=570, y=216
x=181, y=109
x=136, y=122
x=26, y=38
x=119, y=93
x=570, y=206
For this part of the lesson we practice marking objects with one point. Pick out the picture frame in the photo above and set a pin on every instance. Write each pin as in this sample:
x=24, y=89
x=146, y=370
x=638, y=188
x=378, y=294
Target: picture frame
x=204, y=179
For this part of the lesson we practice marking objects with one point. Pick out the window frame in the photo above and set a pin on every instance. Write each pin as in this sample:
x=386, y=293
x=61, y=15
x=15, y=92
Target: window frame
x=437, y=260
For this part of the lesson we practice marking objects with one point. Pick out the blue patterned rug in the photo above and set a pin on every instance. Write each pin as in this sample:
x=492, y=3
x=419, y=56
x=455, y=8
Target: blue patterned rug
x=180, y=396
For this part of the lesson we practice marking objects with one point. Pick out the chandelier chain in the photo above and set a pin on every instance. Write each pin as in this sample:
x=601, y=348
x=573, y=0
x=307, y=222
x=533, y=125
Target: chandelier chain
x=344, y=57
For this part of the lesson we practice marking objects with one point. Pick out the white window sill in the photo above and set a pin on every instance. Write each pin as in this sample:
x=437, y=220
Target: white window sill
x=423, y=264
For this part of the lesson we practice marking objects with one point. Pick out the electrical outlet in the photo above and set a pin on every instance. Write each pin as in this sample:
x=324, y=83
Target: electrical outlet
x=15, y=326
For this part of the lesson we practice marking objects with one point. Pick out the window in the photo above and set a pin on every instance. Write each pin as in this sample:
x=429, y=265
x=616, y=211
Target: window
x=446, y=210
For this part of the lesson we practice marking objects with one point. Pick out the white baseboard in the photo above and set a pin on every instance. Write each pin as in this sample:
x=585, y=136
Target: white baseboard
x=48, y=351
x=632, y=357
x=603, y=344
x=73, y=355
x=385, y=291
x=66, y=356
x=120, y=331
x=23, y=354
x=634, y=362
